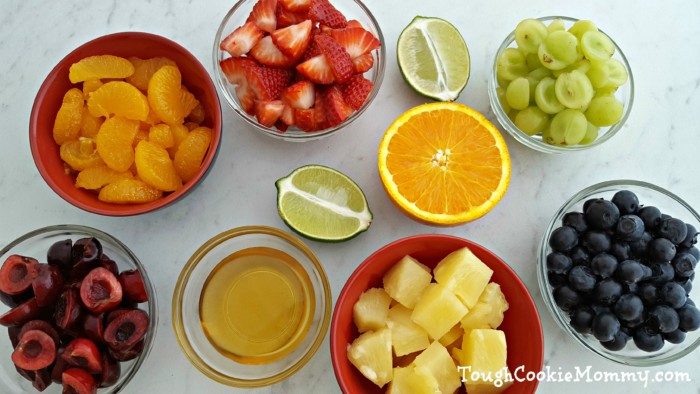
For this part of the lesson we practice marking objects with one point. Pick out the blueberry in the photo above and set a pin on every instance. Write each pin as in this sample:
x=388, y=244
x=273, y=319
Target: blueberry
x=620, y=249
x=689, y=317
x=629, y=307
x=602, y=214
x=566, y=297
x=579, y=256
x=563, y=239
x=629, y=228
x=672, y=229
x=648, y=293
x=693, y=251
x=575, y=220
x=661, y=273
x=684, y=264
x=661, y=249
x=598, y=309
x=647, y=339
x=557, y=280
x=689, y=302
x=630, y=271
x=676, y=336
x=686, y=284
x=691, y=237
x=607, y=292
x=559, y=263
x=588, y=203
x=582, y=279
x=618, y=342
x=626, y=201
x=650, y=215
x=638, y=248
x=673, y=294
x=605, y=326
x=604, y=265
x=595, y=241
x=582, y=319
x=663, y=318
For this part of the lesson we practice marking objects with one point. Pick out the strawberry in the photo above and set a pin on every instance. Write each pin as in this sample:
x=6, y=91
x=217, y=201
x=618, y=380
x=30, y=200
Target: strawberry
x=362, y=64
x=246, y=97
x=293, y=40
x=236, y=70
x=356, y=40
x=263, y=14
x=295, y=5
x=287, y=116
x=242, y=39
x=305, y=119
x=267, y=53
x=267, y=83
x=317, y=70
x=336, y=109
x=281, y=126
x=324, y=13
x=268, y=112
x=338, y=57
x=312, y=50
x=300, y=95
x=355, y=90
x=287, y=18
x=353, y=23
x=320, y=118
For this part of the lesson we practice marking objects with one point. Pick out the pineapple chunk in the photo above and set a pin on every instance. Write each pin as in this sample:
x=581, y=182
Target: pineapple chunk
x=485, y=351
x=371, y=354
x=438, y=310
x=436, y=361
x=411, y=381
x=406, y=336
x=406, y=280
x=488, y=311
x=371, y=310
x=464, y=274
x=452, y=336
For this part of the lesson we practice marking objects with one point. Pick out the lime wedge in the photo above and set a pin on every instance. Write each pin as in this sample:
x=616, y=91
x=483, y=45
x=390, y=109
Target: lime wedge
x=433, y=58
x=322, y=204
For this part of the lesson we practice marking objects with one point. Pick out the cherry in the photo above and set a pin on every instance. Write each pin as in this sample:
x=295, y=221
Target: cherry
x=100, y=290
x=78, y=381
x=83, y=353
x=93, y=327
x=68, y=308
x=36, y=350
x=127, y=354
x=111, y=371
x=47, y=284
x=14, y=300
x=42, y=379
x=133, y=286
x=17, y=273
x=60, y=254
x=42, y=326
x=86, y=254
x=126, y=330
x=13, y=333
x=29, y=375
x=59, y=366
x=21, y=313
x=109, y=264
x=116, y=313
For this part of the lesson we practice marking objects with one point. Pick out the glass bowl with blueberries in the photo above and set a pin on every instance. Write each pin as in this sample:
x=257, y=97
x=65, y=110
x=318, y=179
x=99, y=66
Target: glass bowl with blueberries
x=616, y=267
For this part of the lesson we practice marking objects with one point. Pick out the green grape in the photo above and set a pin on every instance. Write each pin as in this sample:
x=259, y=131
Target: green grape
x=501, y=94
x=602, y=92
x=547, y=135
x=518, y=93
x=591, y=134
x=502, y=82
x=582, y=26
x=556, y=25
x=531, y=120
x=534, y=77
x=529, y=34
x=568, y=127
x=574, y=90
x=511, y=64
x=617, y=74
x=604, y=111
x=595, y=45
x=545, y=98
x=558, y=50
x=512, y=114
x=582, y=65
x=532, y=61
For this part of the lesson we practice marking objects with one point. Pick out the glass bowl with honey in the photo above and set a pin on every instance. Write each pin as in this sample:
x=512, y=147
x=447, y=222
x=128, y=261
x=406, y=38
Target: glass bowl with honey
x=251, y=306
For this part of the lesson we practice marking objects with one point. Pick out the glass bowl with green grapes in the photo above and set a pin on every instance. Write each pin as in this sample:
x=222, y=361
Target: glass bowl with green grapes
x=560, y=84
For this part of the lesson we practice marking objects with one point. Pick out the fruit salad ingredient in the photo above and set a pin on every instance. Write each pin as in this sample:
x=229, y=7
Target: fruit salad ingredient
x=371, y=310
x=100, y=67
x=371, y=354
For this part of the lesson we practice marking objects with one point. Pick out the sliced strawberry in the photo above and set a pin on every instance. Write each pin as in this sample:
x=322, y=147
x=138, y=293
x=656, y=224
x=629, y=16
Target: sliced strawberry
x=336, y=109
x=317, y=70
x=324, y=13
x=325, y=29
x=305, y=119
x=281, y=126
x=356, y=40
x=246, y=97
x=355, y=90
x=362, y=64
x=320, y=118
x=338, y=58
x=267, y=83
x=267, y=53
x=263, y=14
x=293, y=40
x=268, y=112
x=287, y=116
x=237, y=71
x=287, y=18
x=241, y=40
x=295, y=5
x=353, y=23
x=312, y=50
x=300, y=95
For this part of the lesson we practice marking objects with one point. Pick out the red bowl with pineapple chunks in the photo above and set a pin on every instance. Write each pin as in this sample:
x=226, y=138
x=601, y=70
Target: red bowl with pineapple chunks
x=521, y=323
x=48, y=100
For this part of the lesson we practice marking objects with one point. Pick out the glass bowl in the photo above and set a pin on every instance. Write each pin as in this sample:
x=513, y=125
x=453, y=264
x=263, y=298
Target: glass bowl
x=187, y=312
x=650, y=195
x=352, y=9
x=625, y=94
x=36, y=244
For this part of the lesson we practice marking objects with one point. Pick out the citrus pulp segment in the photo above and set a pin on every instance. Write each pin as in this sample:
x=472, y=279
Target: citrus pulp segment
x=444, y=163
x=323, y=204
x=433, y=58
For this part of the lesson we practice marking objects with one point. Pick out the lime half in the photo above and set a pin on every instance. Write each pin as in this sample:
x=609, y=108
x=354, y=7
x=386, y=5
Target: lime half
x=322, y=204
x=433, y=58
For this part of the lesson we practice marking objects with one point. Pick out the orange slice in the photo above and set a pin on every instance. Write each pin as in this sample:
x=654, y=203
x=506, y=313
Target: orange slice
x=144, y=70
x=80, y=154
x=118, y=98
x=154, y=167
x=115, y=140
x=191, y=152
x=93, y=178
x=444, y=164
x=127, y=191
x=100, y=67
x=166, y=96
x=66, y=127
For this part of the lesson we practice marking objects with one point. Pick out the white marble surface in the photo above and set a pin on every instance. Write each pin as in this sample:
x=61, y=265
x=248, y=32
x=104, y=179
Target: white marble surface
x=659, y=144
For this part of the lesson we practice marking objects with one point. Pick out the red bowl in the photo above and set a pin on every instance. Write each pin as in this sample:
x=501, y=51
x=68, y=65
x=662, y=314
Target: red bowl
x=48, y=100
x=521, y=323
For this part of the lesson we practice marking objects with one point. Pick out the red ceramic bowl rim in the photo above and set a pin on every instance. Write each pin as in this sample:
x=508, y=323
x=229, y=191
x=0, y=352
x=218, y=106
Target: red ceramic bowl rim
x=135, y=209
x=359, y=271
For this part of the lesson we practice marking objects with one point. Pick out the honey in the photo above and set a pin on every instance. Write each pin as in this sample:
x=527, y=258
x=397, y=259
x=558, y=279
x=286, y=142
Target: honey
x=257, y=305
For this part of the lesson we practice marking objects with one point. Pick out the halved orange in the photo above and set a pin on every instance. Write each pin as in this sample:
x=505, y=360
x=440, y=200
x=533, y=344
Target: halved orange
x=443, y=163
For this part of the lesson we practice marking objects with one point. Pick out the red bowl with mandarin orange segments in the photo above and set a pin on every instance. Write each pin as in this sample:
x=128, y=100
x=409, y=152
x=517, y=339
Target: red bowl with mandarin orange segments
x=45, y=151
x=521, y=323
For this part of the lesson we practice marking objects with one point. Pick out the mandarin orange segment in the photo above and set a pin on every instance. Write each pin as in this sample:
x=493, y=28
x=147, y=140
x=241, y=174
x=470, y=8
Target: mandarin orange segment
x=90, y=86
x=80, y=154
x=154, y=167
x=161, y=135
x=152, y=118
x=100, y=67
x=179, y=133
x=197, y=115
x=191, y=125
x=142, y=135
x=188, y=102
x=118, y=98
x=129, y=191
x=144, y=70
x=90, y=125
x=66, y=126
x=191, y=152
x=93, y=178
x=115, y=142
x=165, y=95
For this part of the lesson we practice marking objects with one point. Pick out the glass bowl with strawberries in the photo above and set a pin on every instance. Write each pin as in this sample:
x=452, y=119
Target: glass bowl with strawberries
x=299, y=69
